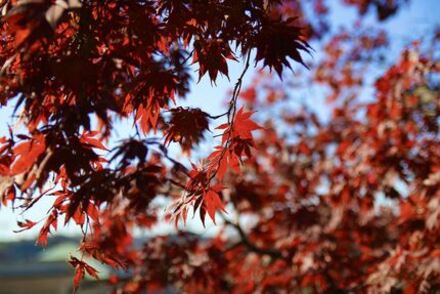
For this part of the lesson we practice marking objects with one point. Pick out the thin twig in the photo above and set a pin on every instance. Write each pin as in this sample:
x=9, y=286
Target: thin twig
x=232, y=110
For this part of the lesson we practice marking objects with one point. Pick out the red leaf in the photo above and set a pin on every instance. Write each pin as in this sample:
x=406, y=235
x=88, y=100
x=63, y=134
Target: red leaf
x=26, y=225
x=89, y=139
x=222, y=167
x=93, y=212
x=81, y=268
x=45, y=230
x=79, y=275
x=243, y=125
x=28, y=153
x=212, y=202
x=78, y=217
x=91, y=271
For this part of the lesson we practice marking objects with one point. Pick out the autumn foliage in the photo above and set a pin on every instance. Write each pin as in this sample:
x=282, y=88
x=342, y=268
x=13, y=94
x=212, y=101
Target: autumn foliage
x=348, y=204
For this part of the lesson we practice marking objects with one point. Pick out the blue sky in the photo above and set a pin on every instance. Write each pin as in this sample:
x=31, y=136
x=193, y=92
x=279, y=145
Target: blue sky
x=411, y=23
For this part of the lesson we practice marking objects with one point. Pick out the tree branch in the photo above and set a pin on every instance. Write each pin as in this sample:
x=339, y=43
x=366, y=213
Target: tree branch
x=250, y=245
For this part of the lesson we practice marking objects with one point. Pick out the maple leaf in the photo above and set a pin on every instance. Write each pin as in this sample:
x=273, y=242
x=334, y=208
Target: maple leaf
x=222, y=159
x=212, y=57
x=81, y=268
x=89, y=138
x=186, y=127
x=51, y=222
x=277, y=41
x=26, y=225
x=77, y=278
x=212, y=202
x=27, y=154
x=239, y=135
x=242, y=127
